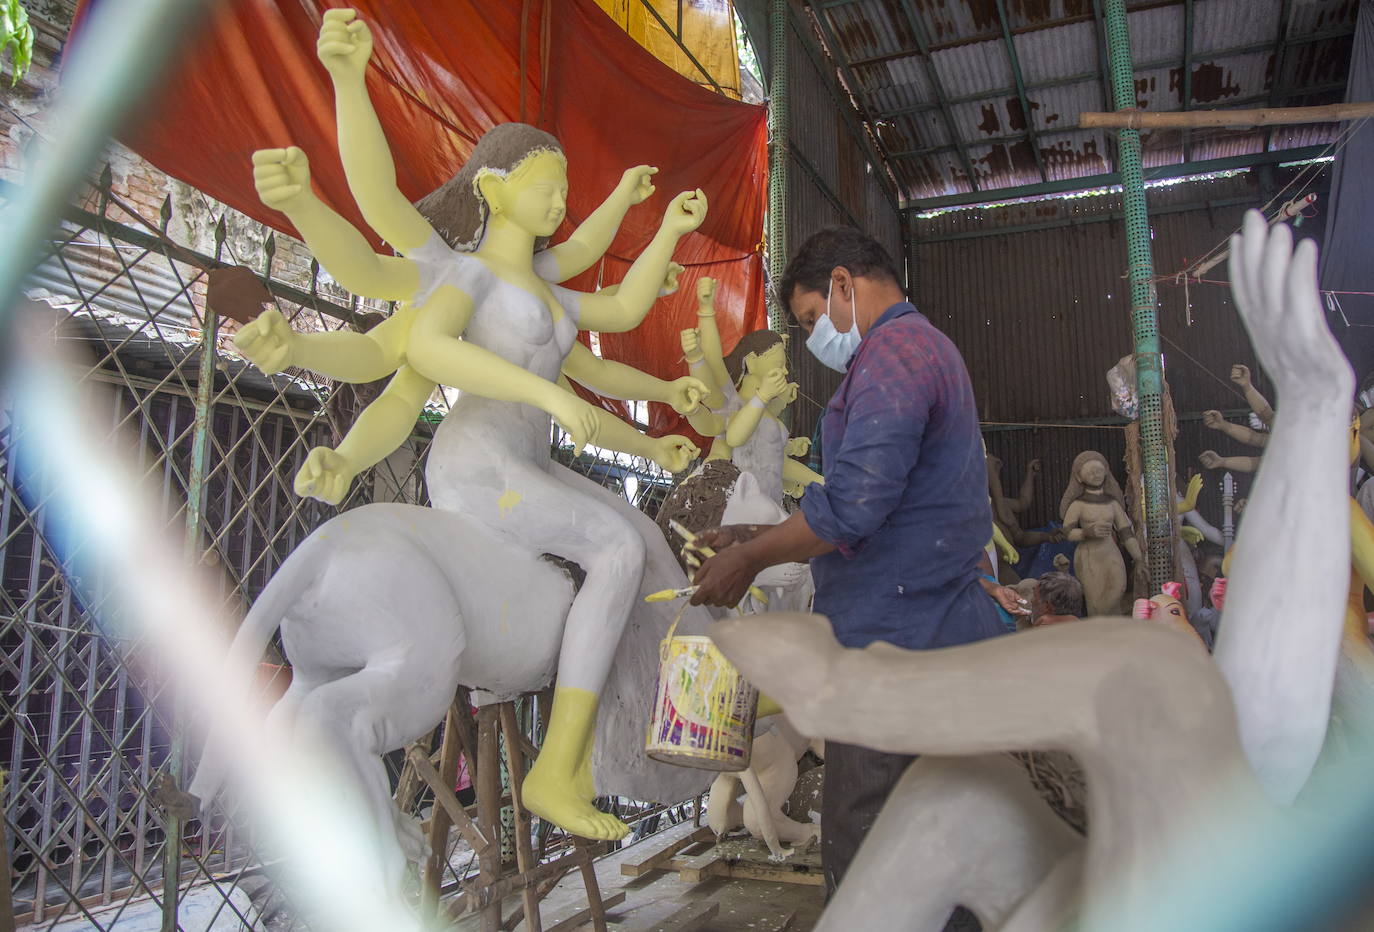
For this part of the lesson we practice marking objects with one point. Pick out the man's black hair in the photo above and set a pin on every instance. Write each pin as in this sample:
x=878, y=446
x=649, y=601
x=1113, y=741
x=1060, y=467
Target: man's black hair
x=829, y=248
x=1061, y=593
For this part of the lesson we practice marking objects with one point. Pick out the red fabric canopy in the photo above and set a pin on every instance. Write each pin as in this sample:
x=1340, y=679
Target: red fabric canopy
x=445, y=71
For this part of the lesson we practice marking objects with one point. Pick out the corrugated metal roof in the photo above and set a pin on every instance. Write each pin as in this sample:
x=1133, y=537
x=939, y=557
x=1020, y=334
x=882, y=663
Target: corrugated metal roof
x=1059, y=46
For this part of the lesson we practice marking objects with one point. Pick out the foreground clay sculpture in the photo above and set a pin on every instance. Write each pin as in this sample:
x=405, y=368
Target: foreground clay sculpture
x=386, y=609
x=1080, y=688
x=1094, y=514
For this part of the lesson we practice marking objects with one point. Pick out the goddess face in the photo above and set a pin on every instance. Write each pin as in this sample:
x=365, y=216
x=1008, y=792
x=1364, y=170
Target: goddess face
x=535, y=195
x=760, y=364
x=1092, y=473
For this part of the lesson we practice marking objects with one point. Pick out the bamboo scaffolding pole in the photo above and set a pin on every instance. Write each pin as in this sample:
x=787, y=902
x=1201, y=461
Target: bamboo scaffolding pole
x=1195, y=119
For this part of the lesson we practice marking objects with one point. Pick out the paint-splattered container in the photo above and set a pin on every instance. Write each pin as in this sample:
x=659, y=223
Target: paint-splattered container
x=703, y=713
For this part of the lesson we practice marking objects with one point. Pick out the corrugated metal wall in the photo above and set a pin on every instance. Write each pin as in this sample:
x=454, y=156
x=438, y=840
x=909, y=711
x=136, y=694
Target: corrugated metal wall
x=1042, y=314
x=830, y=182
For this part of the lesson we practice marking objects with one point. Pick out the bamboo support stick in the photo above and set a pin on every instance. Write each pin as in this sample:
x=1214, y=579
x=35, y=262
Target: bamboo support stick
x=1194, y=119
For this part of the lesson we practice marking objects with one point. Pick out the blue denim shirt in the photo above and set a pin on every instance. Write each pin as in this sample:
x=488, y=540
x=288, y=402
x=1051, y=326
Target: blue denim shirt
x=905, y=497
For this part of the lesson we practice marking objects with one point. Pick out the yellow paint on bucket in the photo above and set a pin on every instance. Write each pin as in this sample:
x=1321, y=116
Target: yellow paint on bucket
x=703, y=713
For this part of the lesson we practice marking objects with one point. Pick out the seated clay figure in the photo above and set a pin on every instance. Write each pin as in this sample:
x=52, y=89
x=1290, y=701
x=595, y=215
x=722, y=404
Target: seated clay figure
x=387, y=609
x=1005, y=510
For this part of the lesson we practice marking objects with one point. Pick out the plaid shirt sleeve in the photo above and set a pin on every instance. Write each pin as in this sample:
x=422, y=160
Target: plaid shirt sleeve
x=891, y=393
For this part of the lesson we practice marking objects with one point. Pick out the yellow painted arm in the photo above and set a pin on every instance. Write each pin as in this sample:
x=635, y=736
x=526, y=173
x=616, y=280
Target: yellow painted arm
x=381, y=428
x=1362, y=543
x=800, y=473
x=627, y=308
x=673, y=453
x=344, y=47
x=282, y=179
x=437, y=353
x=707, y=423
x=1004, y=547
x=593, y=237
x=745, y=421
x=712, y=353
x=269, y=343
x=1189, y=501
x=617, y=380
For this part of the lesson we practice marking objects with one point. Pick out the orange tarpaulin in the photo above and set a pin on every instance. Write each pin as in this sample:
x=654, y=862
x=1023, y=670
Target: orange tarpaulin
x=442, y=74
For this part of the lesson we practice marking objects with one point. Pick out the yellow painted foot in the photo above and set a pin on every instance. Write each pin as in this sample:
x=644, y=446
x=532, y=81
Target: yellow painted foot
x=583, y=783
x=554, y=797
x=325, y=475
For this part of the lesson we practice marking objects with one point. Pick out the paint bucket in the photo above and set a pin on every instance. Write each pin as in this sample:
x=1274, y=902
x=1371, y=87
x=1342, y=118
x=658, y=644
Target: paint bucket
x=703, y=713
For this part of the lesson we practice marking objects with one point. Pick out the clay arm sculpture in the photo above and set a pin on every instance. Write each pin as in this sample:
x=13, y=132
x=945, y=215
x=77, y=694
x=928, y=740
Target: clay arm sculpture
x=617, y=380
x=1027, y=495
x=745, y=421
x=673, y=453
x=796, y=476
x=1004, y=547
x=1257, y=402
x=1212, y=460
x=1126, y=532
x=1237, y=432
x=709, y=351
x=282, y=179
x=1077, y=688
x=1188, y=501
x=1280, y=673
x=628, y=306
x=344, y=47
x=593, y=236
x=704, y=420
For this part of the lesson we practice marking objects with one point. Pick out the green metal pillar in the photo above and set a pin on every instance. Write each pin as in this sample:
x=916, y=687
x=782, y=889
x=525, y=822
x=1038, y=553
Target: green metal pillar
x=1149, y=364
x=779, y=125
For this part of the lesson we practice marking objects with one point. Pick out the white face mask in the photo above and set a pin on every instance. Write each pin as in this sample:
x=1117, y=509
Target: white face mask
x=832, y=348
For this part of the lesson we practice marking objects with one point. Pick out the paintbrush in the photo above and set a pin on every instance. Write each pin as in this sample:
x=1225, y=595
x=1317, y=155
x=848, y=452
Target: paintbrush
x=690, y=538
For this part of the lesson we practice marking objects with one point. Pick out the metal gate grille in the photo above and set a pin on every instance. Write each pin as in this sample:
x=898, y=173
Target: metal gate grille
x=89, y=749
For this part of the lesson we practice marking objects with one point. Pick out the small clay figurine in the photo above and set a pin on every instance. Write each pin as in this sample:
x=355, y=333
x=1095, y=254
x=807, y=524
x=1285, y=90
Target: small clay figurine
x=1094, y=514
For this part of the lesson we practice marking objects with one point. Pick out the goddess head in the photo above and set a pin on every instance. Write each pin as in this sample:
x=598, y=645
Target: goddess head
x=515, y=171
x=757, y=354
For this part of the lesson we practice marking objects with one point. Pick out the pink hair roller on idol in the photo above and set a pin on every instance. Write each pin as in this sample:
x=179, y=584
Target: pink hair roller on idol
x=1173, y=590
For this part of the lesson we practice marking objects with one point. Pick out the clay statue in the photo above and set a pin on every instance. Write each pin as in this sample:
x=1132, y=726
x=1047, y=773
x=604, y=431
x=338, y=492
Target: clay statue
x=1081, y=688
x=767, y=784
x=750, y=464
x=1005, y=510
x=1094, y=515
x=386, y=609
x=748, y=391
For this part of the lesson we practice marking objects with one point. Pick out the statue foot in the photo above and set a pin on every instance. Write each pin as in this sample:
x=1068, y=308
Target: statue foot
x=325, y=475
x=554, y=797
x=584, y=786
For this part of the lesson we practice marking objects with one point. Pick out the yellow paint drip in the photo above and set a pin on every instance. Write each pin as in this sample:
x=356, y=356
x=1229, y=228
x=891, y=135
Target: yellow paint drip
x=507, y=502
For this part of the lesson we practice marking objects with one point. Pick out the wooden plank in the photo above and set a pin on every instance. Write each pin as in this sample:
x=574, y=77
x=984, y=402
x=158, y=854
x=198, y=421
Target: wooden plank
x=709, y=863
x=524, y=854
x=489, y=811
x=441, y=782
x=779, y=874
x=450, y=807
x=659, y=858
x=1193, y=119
x=582, y=917
x=691, y=918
